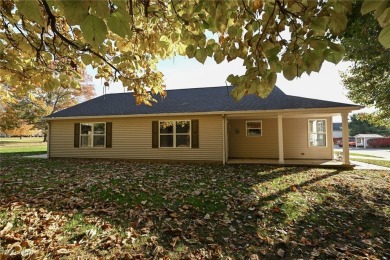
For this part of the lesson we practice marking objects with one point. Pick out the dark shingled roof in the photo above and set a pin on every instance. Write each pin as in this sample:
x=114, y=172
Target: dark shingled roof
x=210, y=99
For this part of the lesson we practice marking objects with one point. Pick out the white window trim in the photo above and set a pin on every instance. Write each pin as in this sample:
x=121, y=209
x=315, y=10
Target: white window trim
x=326, y=132
x=174, y=135
x=254, y=121
x=92, y=134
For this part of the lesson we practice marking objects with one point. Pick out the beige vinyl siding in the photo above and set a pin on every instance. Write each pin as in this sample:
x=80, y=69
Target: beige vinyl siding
x=132, y=139
x=242, y=146
x=295, y=139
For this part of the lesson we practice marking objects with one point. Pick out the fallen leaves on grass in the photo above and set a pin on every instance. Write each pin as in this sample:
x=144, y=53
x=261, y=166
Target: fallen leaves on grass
x=104, y=209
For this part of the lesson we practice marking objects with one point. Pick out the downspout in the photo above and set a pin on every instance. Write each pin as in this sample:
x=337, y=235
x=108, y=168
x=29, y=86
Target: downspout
x=48, y=139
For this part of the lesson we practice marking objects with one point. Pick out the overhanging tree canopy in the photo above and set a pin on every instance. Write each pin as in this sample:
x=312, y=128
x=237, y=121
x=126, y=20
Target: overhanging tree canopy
x=124, y=40
x=368, y=78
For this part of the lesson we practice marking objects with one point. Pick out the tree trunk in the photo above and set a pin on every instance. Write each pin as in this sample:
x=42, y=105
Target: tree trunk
x=44, y=137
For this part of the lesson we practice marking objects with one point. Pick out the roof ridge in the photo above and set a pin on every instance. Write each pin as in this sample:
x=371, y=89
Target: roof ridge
x=175, y=89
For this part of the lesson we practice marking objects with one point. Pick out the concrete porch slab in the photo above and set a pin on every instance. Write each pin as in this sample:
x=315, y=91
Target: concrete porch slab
x=37, y=156
x=310, y=163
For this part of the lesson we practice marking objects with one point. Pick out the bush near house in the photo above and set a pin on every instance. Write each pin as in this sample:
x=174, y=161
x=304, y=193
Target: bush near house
x=379, y=142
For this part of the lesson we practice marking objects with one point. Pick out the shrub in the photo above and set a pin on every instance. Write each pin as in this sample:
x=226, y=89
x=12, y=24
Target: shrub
x=379, y=142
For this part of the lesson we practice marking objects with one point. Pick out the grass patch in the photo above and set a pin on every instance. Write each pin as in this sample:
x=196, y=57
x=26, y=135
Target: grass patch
x=116, y=209
x=364, y=155
x=17, y=140
x=78, y=228
x=24, y=146
x=383, y=163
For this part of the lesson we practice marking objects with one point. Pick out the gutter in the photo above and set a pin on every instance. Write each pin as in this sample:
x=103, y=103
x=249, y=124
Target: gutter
x=245, y=112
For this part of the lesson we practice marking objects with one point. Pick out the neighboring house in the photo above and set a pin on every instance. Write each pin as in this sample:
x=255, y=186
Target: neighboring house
x=201, y=124
x=337, y=133
x=361, y=139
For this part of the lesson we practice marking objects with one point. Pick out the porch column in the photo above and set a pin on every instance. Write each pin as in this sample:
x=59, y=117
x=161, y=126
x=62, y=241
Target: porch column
x=331, y=134
x=223, y=139
x=345, y=131
x=48, y=139
x=280, y=138
x=225, y=121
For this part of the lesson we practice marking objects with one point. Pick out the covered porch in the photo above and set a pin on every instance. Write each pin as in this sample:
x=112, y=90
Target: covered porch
x=301, y=137
x=292, y=162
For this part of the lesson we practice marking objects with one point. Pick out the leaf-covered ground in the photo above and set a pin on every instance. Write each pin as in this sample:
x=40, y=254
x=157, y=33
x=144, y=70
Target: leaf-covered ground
x=65, y=208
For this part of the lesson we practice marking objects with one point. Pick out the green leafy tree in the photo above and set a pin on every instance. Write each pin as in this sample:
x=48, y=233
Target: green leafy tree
x=368, y=79
x=125, y=39
x=30, y=110
x=359, y=125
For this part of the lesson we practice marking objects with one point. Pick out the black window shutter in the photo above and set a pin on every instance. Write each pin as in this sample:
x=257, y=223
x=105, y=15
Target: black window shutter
x=108, y=134
x=195, y=133
x=76, y=135
x=154, y=134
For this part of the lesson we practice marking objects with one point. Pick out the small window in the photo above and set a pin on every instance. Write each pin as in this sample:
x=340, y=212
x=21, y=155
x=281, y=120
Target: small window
x=253, y=128
x=175, y=133
x=92, y=134
x=317, y=132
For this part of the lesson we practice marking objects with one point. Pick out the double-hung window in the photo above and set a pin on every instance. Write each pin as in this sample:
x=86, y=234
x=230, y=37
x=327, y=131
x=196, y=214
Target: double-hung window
x=175, y=133
x=317, y=132
x=92, y=134
x=253, y=128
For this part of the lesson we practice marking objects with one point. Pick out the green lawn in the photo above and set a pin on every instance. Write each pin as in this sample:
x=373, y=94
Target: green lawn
x=383, y=163
x=69, y=208
x=27, y=145
x=364, y=155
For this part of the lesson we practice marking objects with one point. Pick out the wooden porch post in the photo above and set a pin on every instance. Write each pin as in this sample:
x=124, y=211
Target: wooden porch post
x=223, y=139
x=345, y=131
x=226, y=139
x=280, y=138
x=48, y=139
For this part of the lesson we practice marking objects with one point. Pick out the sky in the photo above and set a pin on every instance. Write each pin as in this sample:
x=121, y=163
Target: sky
x=182, y=72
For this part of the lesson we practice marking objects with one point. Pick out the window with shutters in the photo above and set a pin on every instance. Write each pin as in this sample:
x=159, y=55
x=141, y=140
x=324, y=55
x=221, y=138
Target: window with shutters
x=92, y=134
x=175, y=133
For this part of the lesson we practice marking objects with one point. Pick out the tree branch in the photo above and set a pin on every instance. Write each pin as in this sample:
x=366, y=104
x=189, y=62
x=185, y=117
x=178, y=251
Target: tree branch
x=52, y=22
x=41, y=45
x=24, y=36
x=178, y=16
x=247, y=10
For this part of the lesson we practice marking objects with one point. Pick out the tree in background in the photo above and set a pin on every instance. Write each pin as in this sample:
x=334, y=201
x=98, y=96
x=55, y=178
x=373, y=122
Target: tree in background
x=359, y=125
x=368, y=79
x=12, y=122
x=125, y=39
x=29, y=110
